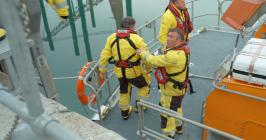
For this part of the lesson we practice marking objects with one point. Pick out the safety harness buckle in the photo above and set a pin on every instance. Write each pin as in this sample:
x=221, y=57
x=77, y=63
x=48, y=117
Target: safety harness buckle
x=123, y=64
x=161, y=75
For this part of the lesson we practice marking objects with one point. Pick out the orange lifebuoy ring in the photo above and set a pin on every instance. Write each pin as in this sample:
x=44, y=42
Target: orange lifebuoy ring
x=81, y=91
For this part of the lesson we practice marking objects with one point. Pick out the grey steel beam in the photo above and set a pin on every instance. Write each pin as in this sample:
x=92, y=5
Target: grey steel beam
x=21, y=54
x=34, y=15
x=44, y=125
x=12, y=73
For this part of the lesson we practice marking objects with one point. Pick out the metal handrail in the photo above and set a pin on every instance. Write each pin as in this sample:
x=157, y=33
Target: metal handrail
x=146, y=131
x=215, y=85
x=219, y=76
x=65, y=23
x=31, y=110
x=97, y=91
x=100, y=88
x=152, y=44
x=42, y=124
x=153, y=20
x=192, y=13
x=148, y=22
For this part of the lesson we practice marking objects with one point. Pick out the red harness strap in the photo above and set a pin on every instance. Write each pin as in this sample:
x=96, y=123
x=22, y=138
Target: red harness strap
x=185, y=25
x=162, y=76
x=160, y=73
x=123, y=33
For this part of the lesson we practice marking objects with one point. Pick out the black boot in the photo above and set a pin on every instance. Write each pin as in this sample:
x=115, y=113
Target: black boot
x=125, y=113
x=179, y=130
x=172, y=137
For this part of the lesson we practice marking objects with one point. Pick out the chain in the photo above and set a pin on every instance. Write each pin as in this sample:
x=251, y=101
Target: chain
x=25, y=19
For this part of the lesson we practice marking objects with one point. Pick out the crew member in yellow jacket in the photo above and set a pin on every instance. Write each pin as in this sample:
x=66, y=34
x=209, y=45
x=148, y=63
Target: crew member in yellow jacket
x=172, y=76
x=60, y=6
x=2, y=37
x=120, y=49
x=176, y=16
x=2, y=33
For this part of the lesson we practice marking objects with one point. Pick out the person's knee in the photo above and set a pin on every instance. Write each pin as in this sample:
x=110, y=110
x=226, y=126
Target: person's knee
x=124, y=99
x=180, y=111
x=144, y=91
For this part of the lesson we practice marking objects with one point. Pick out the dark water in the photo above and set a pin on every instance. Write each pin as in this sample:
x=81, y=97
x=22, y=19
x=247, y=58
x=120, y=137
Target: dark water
x=63, y=61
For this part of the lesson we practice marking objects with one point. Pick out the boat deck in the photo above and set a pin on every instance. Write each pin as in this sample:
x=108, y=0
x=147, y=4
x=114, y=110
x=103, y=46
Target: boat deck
x=208, y=50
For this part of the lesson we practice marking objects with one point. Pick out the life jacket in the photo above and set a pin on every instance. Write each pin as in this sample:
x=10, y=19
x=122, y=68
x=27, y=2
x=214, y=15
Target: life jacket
x=184, y=24
x=163, y=77
x=124, y=34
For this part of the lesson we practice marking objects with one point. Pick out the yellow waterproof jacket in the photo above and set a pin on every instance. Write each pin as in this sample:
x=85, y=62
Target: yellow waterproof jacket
x=174, y=61
x=168, y=22
x=174, y=18
x=2, y=34
x=60, y=6
x=126, y=50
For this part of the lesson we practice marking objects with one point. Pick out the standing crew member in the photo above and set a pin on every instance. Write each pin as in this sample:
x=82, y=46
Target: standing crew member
x=2, y=33
x=120, y=49
x=172, y=76
x=2, y=37
x=60, y=6
x=176, y=16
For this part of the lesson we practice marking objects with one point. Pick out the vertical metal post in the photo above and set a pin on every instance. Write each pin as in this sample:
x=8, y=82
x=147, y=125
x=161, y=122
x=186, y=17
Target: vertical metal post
x=129, y=8
x=92, y=14
x=154, y=29
x=11, y=72
x=21, y=55
x=73, y=27
x=219, y=14
x=140, y=32
x=84, y=29
x=32, y=28
x=109, y=87
x=46, y=26
x=98, y=103
x=186, y=132
x=140, y=119
x=97, y=94
x=210, y=135
x=192, y=12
